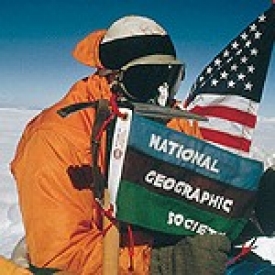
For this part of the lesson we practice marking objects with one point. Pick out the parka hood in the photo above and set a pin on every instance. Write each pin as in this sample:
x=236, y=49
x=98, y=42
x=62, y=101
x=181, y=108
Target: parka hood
x=86, y=50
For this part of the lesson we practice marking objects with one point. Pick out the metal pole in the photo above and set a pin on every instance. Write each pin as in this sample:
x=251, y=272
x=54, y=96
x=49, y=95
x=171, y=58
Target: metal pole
x=110, y=243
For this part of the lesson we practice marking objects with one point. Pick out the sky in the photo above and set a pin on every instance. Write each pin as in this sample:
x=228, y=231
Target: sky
x=37, y=38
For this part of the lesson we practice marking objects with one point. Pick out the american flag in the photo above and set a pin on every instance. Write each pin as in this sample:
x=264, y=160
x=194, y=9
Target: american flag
x=229, y=89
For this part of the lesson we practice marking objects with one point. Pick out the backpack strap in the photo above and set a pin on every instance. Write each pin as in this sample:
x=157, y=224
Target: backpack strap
x=102, y=114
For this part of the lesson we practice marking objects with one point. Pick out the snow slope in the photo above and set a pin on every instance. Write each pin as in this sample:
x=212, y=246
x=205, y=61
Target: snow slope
x=12, y=123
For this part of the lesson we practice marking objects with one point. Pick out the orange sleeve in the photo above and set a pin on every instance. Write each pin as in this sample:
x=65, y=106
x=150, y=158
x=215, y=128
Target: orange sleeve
x=7, y=267
x=58, y=210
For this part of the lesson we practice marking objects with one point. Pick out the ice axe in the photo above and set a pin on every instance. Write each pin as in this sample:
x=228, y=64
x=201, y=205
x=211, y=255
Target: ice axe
x=144, y=109
x=156, y=111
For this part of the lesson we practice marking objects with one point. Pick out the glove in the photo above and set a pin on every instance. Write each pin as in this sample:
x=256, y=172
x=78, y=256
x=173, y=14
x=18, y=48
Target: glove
x=200, y=255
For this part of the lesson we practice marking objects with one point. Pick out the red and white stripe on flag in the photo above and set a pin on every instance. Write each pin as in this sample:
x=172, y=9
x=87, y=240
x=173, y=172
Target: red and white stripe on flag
x=230, y=121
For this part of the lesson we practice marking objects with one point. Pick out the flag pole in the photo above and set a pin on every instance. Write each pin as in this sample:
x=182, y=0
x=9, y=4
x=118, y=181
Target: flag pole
x=110, y=242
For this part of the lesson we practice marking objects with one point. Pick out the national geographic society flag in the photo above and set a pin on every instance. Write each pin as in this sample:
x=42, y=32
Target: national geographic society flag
x=170, y=182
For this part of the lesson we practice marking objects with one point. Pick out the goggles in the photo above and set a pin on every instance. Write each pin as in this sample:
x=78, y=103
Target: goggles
x=151, y=79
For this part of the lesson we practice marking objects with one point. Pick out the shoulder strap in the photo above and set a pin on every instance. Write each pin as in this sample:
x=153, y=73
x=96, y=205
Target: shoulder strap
x=102, y=114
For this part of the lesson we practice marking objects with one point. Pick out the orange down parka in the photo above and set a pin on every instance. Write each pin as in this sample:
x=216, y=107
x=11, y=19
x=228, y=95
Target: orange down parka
x=61, y=217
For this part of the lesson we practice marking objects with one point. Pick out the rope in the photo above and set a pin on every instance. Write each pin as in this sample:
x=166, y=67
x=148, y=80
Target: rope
x=115, y=108
x=131, y=248
x=115, y=112
x=104, y=126
x=109, y=214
